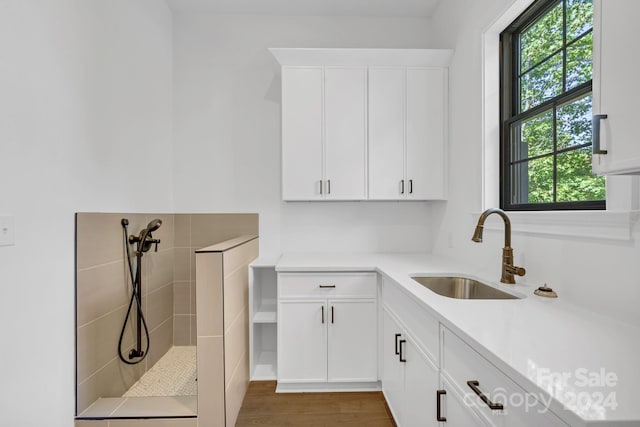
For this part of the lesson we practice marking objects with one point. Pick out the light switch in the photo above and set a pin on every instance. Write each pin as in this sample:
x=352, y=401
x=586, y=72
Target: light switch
x=6, y=231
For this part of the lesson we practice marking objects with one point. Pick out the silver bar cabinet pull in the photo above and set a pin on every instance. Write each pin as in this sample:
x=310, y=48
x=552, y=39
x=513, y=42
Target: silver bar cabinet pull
x=595, y=125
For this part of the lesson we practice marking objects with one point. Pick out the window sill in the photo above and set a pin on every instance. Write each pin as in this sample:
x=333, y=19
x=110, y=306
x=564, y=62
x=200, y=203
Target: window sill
x=607, y=225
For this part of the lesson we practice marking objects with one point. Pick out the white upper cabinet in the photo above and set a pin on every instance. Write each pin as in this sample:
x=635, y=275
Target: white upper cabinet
x=302, y=133
x=345, y=122
x=426, y=107
x=362, y=124
x=386, y=133
x=324, y=145
x=615, y=93
x=407, y=113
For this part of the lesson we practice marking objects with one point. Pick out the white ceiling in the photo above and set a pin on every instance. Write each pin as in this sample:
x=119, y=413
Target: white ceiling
x=405, y=8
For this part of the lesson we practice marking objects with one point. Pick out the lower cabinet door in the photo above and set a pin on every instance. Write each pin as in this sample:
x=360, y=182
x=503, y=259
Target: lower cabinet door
x=302, y=341
x=353, y=340
x=392, y=369
x=421, y=379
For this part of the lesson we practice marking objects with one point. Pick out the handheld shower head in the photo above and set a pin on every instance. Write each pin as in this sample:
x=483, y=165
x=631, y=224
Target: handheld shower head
x=154, y=225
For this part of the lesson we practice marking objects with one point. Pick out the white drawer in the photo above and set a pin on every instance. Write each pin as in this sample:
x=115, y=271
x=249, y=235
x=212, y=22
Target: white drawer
x=461, y=363
x=327, y=285
x=424, y=327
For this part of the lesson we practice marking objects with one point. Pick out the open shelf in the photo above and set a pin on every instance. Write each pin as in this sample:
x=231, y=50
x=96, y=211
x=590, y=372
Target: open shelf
x=266, y=312
x=264, y=317
x=265, y=368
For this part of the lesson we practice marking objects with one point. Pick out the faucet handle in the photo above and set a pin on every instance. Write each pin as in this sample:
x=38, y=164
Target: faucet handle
x=514, y=269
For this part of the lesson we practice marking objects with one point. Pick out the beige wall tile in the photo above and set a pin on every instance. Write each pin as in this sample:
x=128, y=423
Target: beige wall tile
x=182, y=230
x=159, y=306
x=161, y=341
x=236, y=390
x=158, y=406
x=182, y=329
x=97, y=342
x=209, y=290
x=176, y=422
x=111, y=381
x=182, y=264
x=91, y=423
x=194, y=330
x=210, y=382
x=207, y=229
x=193, y=295
x=240, y=256
x=157, y=269
x=101, y=289
x=236, y=344
x=192, y=263
x=236, y=295
x=182, y=298
x=103, y=407
x=99, y=239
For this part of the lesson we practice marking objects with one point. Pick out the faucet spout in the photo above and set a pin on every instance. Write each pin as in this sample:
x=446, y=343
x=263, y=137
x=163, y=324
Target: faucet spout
x=508, y=269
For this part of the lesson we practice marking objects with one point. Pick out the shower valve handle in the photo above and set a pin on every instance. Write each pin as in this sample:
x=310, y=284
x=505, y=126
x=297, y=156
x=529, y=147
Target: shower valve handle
x=155, y=241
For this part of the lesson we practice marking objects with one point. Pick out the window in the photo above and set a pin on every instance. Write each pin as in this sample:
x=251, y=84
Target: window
x=545, y=109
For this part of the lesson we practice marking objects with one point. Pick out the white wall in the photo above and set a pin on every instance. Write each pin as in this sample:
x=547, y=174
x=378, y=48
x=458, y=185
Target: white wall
x=85, y=125
x=227, y=130
x=598, y=274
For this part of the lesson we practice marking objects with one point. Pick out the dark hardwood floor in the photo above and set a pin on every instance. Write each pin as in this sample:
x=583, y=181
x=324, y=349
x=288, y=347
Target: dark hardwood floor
x=263, y=407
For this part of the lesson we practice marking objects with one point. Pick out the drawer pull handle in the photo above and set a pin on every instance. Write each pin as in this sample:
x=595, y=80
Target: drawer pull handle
x=439, y=417
x=402, y=359
x=323, y=314
x=332, y=314
x=397, y=351
x=327, y=286
x=474, y=386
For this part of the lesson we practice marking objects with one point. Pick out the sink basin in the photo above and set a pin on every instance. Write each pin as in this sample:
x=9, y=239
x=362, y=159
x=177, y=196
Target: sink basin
x=462, y=288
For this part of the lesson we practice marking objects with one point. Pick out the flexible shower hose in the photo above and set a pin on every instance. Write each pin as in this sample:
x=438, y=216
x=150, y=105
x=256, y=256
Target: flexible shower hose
x=135, y=284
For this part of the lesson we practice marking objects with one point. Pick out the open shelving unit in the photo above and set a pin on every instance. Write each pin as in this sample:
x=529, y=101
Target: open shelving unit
x=263, y=319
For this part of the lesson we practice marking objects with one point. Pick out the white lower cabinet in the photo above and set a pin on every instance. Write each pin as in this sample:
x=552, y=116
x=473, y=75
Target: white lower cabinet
x=409, y=377
x=329, y=339
x=302, y=341
x=352, y=341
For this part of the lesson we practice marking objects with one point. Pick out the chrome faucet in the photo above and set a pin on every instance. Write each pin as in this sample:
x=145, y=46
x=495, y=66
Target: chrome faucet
x=508, y=269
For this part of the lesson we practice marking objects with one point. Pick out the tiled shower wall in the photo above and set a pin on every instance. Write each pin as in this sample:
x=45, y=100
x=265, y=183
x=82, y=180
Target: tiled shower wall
x=192, y=232
x=168, y=284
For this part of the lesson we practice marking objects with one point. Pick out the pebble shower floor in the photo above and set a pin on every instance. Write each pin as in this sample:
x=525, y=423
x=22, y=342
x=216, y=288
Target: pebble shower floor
x=173, y=375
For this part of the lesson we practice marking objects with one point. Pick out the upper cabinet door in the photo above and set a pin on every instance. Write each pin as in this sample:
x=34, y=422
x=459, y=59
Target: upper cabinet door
x=386, y=133
x=425, y=133
x=302, y=133
x=615, y=90
x=345, y=112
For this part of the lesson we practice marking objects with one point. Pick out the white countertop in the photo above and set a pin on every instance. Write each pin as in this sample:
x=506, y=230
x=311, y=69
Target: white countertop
x=528, y=339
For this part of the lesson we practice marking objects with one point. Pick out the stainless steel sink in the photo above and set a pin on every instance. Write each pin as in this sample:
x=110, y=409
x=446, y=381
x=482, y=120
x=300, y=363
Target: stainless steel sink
x=461, y=288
